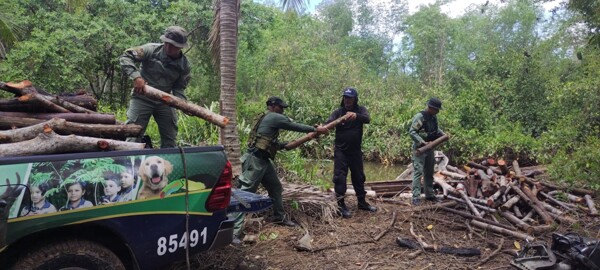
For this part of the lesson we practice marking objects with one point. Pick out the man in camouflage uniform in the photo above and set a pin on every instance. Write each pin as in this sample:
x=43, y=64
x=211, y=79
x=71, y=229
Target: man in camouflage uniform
x=423, y=130
x=257, y=163
x=162, y=66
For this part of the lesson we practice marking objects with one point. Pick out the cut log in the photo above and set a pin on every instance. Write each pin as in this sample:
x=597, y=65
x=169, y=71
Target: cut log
x=467, y=215
x=312, y=135
x=432, y=144
x=590, y=204
x=97, y=118
x=502, y=231
x=63, y=127
x=517, y=169
x=52, y=143
x=510, y=203
x=482, y=167
x=534, y=203
x=455, y=169
x=453, y=175
x=469, y=203
x=503, y=167
x=26, y=91
x=524, y=226
x=16, y=105
x=487, y=186
x=556, y=202
x=43, y=102
x=445, y=186
x=186, y=107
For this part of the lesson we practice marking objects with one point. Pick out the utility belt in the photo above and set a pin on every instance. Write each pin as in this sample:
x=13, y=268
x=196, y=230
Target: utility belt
x=259, y=153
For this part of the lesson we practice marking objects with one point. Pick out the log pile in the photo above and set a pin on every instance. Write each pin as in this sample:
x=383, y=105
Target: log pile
x=35, y=122
x=505, y=198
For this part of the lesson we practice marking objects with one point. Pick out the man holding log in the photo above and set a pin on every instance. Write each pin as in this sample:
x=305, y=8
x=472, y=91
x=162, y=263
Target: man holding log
x=162, y=66
x=348, y=153
x=423, y=131
x=257, y=163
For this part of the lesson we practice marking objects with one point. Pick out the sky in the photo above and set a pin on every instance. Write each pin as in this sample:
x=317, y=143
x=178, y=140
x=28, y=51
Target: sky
x=453, y=9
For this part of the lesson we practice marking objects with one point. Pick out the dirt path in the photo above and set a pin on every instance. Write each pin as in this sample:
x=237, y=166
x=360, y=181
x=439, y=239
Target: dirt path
x=351, y=243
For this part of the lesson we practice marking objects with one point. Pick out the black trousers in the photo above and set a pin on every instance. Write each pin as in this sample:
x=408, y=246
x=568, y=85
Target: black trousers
x=342, y=161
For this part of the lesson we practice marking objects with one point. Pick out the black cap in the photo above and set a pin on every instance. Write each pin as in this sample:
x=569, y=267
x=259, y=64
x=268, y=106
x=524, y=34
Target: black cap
x=434, y=103
x=350, y=92
x=276, y=101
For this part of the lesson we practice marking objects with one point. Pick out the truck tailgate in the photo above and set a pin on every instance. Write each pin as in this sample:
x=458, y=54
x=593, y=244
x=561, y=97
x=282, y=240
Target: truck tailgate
x=248, y=202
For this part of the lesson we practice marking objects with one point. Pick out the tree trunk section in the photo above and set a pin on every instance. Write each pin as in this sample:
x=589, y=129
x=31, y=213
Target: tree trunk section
x=52, y=143
x=229, y=137
x=61, y=126
x=98, y=118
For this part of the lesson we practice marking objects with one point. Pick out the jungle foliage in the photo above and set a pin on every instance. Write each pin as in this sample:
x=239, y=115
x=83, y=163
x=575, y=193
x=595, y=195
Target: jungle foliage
x=517, y=81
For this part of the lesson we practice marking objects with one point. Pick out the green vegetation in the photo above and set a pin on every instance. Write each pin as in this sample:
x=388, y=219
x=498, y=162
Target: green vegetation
x=517, y=82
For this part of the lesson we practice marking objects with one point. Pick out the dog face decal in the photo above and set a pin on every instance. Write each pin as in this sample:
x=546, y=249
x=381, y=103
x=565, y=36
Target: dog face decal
x=154, y=171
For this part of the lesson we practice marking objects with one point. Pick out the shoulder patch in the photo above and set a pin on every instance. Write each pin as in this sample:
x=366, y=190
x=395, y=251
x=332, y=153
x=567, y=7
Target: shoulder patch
x=137, y=52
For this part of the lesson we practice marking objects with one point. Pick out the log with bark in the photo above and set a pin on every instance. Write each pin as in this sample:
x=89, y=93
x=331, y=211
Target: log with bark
x=16, y=105
x=97, y=118
x=591, y=205
x=432, y=144
x=185, y=106
x=52, y=143
x=63, y=127
x=312, y=135
x=483, y=167
x=27, y=93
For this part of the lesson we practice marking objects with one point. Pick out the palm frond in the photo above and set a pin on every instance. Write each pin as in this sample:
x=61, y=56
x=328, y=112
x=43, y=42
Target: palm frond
x=214, y=37
x=294, y=5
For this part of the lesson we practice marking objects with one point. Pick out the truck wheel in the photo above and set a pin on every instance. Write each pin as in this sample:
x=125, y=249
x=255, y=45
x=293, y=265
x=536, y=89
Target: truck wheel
x=70, y=253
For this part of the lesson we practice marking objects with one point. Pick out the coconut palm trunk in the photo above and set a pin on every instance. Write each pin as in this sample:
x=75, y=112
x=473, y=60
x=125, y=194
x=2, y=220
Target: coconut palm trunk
x=223, y=44
x=228, y=25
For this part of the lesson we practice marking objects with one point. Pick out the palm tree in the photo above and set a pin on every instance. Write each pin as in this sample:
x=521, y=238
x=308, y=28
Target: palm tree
x=8, y=34
x=223, y=43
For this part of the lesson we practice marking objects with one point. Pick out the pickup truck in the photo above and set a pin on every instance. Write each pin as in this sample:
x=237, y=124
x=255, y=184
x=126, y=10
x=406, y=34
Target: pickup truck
x=141, y=209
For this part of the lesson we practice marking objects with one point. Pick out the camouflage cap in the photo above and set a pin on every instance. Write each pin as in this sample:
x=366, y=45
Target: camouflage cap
x=176, y=36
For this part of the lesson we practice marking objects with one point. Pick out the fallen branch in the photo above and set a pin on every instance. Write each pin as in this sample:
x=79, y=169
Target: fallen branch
x=502, y=231
x=467, y=215
x=387, y=229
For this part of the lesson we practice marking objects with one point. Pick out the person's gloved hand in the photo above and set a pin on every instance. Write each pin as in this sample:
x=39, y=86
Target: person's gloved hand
x=138, y=85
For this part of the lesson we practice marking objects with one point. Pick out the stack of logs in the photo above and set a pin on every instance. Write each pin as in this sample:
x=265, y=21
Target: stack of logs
x=35, y=122
x=491, y=189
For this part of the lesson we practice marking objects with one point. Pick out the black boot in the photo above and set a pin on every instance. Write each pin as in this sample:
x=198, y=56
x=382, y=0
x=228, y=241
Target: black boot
x=344, y=212
x=364, y=205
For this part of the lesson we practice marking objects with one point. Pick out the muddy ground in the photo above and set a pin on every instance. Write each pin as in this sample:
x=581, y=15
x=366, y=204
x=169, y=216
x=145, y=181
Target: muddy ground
x=368, y=241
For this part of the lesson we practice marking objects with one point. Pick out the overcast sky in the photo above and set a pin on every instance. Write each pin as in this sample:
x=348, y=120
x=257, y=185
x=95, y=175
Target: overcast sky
x=454, y=9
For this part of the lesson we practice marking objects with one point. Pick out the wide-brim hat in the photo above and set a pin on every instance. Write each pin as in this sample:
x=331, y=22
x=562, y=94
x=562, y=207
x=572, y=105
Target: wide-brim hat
x=176, y=36
x=434, y=103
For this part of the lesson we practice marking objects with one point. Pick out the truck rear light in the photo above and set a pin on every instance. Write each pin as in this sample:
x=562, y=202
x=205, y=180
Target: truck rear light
x=221, y=193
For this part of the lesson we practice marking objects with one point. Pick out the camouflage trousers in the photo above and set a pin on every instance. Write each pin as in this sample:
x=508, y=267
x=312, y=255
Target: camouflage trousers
x=139, y=112
x=423, y=166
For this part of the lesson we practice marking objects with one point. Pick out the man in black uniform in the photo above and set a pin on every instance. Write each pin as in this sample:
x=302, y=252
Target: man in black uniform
x=348, y=153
